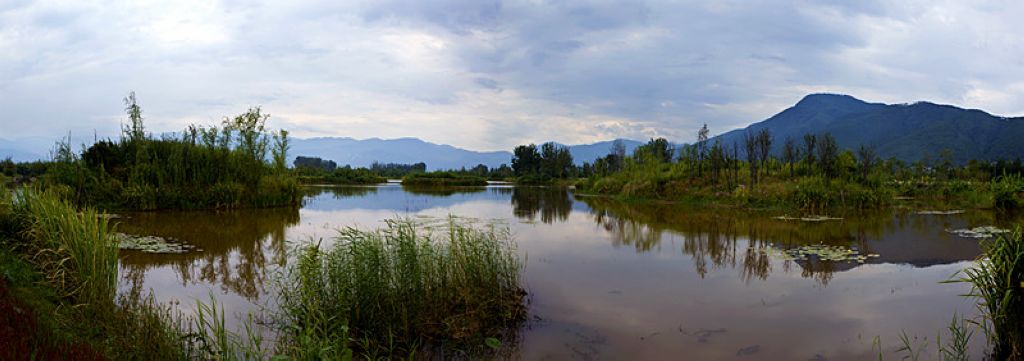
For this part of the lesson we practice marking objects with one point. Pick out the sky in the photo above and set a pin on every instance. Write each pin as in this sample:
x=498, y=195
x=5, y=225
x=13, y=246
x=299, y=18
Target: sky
x=487, y=75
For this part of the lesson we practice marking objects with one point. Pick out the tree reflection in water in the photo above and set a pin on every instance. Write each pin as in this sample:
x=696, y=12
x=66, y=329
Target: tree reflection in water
x=236, y=246
x=730, y=238
x=552, y=204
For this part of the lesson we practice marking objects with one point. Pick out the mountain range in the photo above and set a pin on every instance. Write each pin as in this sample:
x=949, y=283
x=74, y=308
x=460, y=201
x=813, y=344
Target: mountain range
x=362, y=153
x=908, y=132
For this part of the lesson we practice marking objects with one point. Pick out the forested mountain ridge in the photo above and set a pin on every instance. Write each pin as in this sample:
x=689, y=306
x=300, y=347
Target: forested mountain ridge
x=909, y=132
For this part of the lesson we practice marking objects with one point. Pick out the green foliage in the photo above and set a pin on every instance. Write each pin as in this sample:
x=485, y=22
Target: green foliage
x=998, y=284
x=202, y=168
x=65, y=265
x=1008, y=191
x=343, y=175
x=442, y=178
x=659, y=150
x=72, y=249
x=403, y=287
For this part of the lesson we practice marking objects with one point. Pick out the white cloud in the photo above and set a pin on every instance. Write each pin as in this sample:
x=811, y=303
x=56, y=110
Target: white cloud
x=487, y=74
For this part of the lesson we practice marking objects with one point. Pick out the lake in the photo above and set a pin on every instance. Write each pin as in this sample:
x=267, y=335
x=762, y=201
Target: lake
x=621, y=280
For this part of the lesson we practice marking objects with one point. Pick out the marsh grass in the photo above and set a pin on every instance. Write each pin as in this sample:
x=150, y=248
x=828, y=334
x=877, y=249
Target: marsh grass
x=998, y=283
x=405, y=289
x=73, y=249
x=442, y=178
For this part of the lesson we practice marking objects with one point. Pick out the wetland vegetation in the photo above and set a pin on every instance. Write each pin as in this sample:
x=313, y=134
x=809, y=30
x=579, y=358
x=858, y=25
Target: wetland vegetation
x=430, y=285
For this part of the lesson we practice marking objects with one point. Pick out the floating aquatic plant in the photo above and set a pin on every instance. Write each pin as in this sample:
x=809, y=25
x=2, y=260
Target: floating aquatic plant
x=821, y=251
x=151, y=244
x=940, y=213
x=807, y=218
x=979, y=232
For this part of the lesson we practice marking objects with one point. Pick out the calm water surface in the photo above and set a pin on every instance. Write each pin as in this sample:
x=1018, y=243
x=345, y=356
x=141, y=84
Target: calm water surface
x=613, y=280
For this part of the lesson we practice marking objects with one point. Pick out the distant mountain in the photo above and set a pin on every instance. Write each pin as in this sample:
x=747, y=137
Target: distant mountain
x=25, y=150
x=362, y=153
x=909, y=132
x=589, y=152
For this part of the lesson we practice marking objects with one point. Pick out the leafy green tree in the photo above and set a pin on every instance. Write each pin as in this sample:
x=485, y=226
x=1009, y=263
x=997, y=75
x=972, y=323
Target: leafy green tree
x=828, y=150
x=764, y=145
x=526, y=160
x=810, y=141
x=701, y=146
x=790, y=153
x=280, y=151
x=556, y=160
x=659, y=149
x=250, y=127
x=750, y=145
x=866, y=161
x=134, y=131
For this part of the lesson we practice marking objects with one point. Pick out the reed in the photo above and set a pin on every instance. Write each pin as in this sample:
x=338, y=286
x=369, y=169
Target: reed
x=405, y=288
x=72, y=249
x=998, y=283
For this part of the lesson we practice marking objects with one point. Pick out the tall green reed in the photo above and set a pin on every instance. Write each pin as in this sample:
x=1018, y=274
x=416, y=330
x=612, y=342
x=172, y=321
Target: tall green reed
x=998, y=283
x=404, y=287
x=73, y=249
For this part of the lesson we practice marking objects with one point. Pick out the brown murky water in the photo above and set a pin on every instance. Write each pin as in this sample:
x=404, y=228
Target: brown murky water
x=613, y=280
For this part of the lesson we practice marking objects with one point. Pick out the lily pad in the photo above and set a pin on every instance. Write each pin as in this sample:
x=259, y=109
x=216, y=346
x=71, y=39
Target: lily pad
x=940, y=213
x=820, y=251
x=151, y=244
x=807, y=218
x=979, y=232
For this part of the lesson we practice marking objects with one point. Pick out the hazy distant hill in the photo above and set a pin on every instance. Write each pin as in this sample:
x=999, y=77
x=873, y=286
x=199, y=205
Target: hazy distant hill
x=361, y=153
x=906, y=131
x=25, y=150
x=589, y=152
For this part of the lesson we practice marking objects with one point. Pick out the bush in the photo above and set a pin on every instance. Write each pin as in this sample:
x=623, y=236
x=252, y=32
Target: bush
x=442, y=178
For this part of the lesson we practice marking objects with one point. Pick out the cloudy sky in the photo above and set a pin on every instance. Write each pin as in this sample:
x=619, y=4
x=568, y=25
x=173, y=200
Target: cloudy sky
x=488, y=75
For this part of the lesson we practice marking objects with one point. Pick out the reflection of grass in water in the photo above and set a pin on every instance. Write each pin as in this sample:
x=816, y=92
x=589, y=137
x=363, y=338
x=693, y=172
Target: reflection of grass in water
x=403, y=287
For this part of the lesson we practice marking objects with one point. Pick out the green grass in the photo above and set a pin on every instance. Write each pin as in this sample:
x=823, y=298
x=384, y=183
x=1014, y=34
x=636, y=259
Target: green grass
x=442, y=178
x=341, y=176
x=73, y=249
x=404, y=289
x=62, y=265
x=998, y=283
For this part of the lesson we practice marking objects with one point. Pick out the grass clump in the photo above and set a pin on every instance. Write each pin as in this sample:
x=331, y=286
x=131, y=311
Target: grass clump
x=404, y=288
x=998, y=283
x=442, y=178
x=73, y=249
x=60, y=265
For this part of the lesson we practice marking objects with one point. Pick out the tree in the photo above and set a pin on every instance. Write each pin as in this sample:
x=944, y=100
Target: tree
x=809, y=144
x=250, y=127
x=750, y=144
x=867, y=159
x=555, y=160
x=526, y=160
x=615, y=158
x=280, y=151
x=790, y=153
x=827, y=153
x=135, y=131
x=764, y=145
x=702, y=144
x=717, y=158
x=658, y=149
